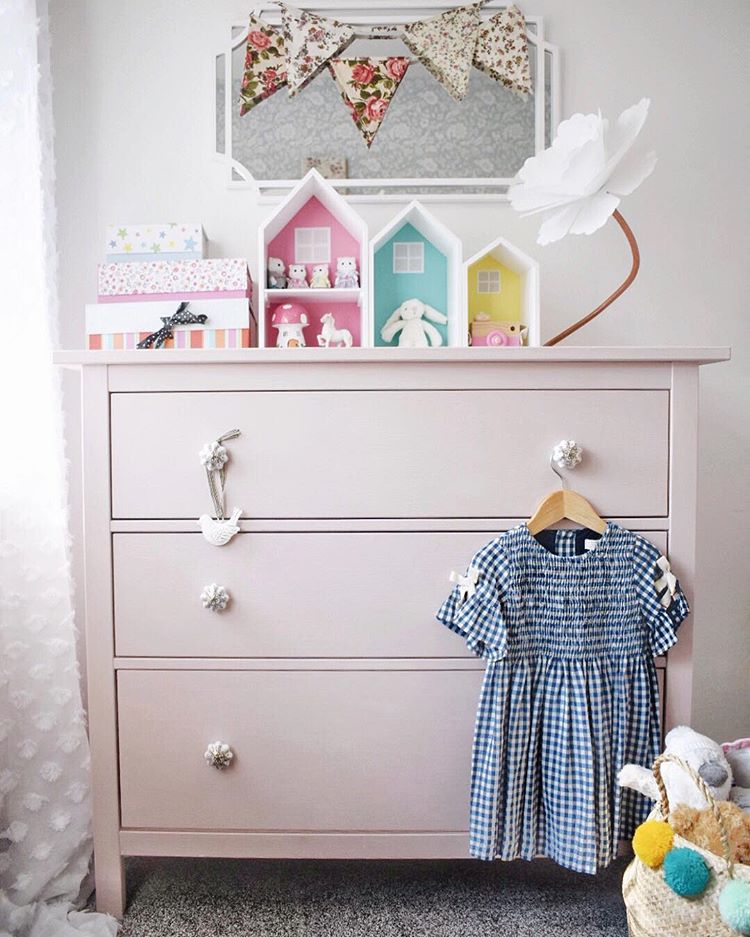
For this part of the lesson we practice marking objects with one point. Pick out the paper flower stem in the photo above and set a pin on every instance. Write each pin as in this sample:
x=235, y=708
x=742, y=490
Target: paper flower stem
x=613, y=296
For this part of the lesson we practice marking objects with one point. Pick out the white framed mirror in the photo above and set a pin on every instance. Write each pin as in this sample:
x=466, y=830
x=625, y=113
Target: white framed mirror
x=429, y=145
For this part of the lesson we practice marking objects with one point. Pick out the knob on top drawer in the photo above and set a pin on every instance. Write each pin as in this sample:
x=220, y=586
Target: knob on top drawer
x=350, y=454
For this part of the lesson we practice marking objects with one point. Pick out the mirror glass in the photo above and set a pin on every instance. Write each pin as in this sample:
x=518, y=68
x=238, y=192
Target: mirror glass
x=426, y=135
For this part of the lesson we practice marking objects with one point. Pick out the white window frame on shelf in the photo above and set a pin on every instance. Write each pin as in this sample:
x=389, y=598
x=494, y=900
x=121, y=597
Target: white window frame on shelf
x=408, y=257
x=317, y=250
x=489, y=281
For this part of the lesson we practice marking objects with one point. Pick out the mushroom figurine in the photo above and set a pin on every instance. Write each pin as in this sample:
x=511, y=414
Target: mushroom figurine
x=290, y=320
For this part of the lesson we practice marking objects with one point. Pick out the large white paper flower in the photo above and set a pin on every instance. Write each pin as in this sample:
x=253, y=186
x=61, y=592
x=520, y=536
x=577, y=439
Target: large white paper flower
x=579, y=180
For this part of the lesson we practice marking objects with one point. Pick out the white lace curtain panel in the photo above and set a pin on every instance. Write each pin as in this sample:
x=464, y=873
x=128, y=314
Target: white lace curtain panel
x=45, y=842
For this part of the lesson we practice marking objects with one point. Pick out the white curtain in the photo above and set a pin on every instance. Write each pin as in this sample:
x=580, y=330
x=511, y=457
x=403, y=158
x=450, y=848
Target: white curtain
x=45, y=843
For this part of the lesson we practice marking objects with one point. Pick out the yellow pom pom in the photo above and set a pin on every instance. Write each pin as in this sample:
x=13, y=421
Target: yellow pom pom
x=652, y=841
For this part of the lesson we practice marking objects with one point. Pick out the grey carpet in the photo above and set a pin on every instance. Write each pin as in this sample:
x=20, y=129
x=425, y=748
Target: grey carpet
x=253, y=898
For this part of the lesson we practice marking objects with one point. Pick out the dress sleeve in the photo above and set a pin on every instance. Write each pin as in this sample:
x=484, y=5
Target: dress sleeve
x=662, y=601
x=474, y=607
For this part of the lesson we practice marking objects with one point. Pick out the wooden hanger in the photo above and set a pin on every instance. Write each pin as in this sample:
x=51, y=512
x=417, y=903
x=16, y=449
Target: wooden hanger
x=564, y=504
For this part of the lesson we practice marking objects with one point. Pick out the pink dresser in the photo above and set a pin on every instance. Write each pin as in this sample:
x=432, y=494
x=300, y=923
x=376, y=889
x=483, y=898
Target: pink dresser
x=365, y=476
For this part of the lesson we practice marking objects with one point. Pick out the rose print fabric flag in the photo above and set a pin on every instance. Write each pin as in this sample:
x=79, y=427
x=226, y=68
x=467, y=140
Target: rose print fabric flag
x=502, y=50
x=445, y=45
x=311, y=41
x=265, y=64
x=367, y=87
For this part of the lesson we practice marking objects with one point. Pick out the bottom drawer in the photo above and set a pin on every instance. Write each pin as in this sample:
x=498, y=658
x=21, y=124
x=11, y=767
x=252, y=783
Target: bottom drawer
x=313, y=750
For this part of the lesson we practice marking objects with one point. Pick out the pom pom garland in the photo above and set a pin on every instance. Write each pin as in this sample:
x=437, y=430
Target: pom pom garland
x=734, y=905
x=652, y=841
x=686, y=872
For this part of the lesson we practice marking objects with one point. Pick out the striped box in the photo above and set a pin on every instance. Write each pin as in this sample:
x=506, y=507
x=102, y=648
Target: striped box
x=229, y=324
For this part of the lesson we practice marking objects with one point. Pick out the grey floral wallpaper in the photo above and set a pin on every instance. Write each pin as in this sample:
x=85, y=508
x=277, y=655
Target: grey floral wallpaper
x=425, y=133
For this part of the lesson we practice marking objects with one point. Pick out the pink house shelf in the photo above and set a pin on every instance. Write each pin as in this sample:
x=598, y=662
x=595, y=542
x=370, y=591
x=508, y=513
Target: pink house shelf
x=314, y=225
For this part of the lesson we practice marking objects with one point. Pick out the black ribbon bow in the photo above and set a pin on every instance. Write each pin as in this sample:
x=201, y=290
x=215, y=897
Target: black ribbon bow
x=181, y=317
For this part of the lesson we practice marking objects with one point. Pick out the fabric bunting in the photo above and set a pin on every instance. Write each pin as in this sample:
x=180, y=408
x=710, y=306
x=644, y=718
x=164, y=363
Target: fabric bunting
x=367, y=87
x=311, y=41
x=502, y=50
x=265, y=64
x=445, y=45
x=448, y=45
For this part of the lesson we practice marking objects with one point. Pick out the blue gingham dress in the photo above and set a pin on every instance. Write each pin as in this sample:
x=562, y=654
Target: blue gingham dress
x=569, y=630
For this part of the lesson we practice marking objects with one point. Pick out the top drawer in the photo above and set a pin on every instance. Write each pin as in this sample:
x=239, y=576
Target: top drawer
x=410, y=454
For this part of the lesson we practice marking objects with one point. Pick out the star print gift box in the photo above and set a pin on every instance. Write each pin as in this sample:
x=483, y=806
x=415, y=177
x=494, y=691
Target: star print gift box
x=169, y=241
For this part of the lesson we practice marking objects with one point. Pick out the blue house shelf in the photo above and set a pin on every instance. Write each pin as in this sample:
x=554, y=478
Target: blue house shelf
x=416, y=257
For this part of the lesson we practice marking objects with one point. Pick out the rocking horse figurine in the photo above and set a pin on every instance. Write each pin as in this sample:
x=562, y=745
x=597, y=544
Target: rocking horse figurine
x=330, y=335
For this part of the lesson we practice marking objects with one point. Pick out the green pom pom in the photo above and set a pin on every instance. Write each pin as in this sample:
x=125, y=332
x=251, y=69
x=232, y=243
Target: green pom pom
x=734, y=904
x=686, y=872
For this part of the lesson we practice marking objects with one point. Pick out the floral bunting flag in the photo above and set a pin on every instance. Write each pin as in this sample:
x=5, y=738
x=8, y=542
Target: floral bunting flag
x=311, y=41
x=265, y=64
x=502, y=50
x=367, y=86
x=445, y=45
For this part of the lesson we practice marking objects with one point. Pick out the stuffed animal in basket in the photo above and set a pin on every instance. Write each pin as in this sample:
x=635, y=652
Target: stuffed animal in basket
x=701, y=828
x=410, y=320
x=705, y=756
x=738, y=756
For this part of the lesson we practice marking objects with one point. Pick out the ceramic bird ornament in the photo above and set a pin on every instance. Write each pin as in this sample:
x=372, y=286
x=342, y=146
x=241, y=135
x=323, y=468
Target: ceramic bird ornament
x=219, y=532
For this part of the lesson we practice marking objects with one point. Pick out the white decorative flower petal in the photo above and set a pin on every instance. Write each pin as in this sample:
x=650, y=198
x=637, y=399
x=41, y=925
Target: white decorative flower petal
x=593, y=213
x=631, y=172
x=578, y=130
x=557, y=225
x=577, y=181
x=629, y=124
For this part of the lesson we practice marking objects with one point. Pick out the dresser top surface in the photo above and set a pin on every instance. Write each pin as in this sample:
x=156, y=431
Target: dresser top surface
x=571, y=353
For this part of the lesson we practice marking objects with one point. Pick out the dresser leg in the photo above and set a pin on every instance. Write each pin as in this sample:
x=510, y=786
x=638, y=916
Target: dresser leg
x=109, y=877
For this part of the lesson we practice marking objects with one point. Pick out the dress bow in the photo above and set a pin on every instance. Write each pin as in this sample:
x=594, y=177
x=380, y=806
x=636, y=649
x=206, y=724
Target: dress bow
x=666, y=583
x=468, y=583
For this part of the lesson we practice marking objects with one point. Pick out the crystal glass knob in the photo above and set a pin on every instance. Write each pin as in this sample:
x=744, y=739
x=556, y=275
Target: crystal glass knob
x=216, y=598
x=567, y=454
x=218, y=755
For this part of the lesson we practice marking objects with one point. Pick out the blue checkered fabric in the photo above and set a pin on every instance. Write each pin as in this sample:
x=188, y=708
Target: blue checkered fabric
x=569, y=630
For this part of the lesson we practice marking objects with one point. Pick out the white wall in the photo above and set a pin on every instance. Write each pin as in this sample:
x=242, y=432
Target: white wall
x=133, y=96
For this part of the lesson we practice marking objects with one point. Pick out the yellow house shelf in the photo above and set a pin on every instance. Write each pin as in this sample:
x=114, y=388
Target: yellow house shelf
x=502, y=283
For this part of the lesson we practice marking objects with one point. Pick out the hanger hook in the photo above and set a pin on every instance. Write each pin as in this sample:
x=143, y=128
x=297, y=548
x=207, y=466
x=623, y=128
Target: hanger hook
x=556, y=470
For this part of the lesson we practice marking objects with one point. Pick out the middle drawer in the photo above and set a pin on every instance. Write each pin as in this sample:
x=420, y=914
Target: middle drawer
x=291, y=594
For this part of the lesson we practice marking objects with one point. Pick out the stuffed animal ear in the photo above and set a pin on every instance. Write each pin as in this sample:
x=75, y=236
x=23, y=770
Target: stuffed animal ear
x=429, y=313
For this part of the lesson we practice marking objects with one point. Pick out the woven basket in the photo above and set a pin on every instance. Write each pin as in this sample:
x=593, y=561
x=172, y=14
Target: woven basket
x=654, y=910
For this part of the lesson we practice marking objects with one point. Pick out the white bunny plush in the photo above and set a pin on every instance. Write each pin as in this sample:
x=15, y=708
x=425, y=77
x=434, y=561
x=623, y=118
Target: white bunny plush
x=704, y=755
x=410, y=320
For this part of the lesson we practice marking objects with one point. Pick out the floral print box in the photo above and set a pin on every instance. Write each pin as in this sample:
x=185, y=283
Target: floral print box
x=226, y=278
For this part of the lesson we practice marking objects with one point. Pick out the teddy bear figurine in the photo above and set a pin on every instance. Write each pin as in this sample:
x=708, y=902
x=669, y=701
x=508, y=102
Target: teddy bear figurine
x=320, y=278
x=276, y=274
x=346, y=273
x=410, y=320
x=297, y=277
